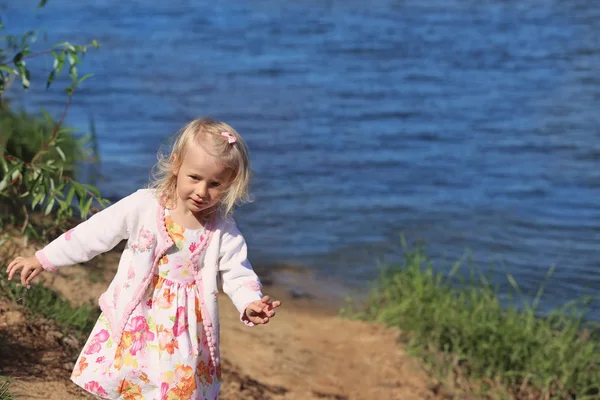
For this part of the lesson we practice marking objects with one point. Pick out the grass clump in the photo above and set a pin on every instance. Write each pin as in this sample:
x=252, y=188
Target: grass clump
x=4, y=386
x=466, y=330
x=44, y=302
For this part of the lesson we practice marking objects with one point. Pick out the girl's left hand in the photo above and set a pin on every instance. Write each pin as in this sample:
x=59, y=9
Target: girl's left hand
x=260, y=311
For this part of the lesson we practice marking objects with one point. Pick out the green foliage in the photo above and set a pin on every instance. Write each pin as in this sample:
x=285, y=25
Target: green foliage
x=37, y=159
x=17, y=50
x=23, y=136
x=44, y=302
x=4, y=386
x=465, y=326
x=37, y=155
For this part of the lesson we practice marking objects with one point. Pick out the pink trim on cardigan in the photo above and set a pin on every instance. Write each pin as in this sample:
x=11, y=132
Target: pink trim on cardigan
x=211, y=336
x=160, y=220
x=204, y=243
x=46, y=264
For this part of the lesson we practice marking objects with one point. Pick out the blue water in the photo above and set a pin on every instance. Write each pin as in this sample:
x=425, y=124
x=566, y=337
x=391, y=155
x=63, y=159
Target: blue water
x=470, y=125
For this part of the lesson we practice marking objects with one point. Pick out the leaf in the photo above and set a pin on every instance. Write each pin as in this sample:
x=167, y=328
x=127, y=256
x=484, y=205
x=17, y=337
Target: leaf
x=79, y=191
x=61, y=153
x=91, y=188
x=8, y=69
x=83, y=78
x=37, y=199
x=65, y=45
x=24, y=73
x=49, y=207
x=59, y=62
x=66, y=130
x=84, y=206
x=47, y=116
x=25, y=79
x=42, y=3
x=51, y=77
x=95, y=44
x=18, y=57
x=88, y=204
x=73, y=74
x=70, y=195
x=15, y=173
x=72, y=58
x=3, y=183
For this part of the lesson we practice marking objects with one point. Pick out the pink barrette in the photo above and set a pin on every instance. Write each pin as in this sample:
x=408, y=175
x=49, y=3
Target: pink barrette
x=230, y=138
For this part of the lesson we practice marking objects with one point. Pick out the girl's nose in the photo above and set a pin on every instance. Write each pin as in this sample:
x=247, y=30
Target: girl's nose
x=201, y=189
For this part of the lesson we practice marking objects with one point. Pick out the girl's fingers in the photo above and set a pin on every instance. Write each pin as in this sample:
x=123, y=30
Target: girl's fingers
x=261, y=311
x=267, y=300
x=13, y=270
x=255, y=308
x=271, y=306
x=24, y=274
x=13, y=263
x=35, y=273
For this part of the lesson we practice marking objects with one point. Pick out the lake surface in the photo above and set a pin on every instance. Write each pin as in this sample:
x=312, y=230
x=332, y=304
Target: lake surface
x=470, y=125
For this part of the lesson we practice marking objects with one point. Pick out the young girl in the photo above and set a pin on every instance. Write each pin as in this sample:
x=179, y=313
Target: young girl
x=158, y=334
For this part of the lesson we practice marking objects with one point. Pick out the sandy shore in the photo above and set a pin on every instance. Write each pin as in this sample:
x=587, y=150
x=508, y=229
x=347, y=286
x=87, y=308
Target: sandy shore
x=305, y=352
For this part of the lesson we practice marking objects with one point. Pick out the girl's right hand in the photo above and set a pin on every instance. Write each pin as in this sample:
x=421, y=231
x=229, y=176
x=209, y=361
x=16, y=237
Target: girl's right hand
x=31, y=268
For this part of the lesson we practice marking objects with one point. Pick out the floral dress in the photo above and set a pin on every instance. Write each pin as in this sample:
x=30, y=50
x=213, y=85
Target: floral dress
x=163, y=353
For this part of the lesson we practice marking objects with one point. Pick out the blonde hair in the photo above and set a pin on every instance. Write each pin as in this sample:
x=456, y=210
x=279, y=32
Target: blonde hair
x=207, y=133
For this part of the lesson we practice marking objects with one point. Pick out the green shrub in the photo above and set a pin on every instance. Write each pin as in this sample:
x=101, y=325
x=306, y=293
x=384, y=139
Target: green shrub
x=37, y=156
x=23, y=136
x=464, y=328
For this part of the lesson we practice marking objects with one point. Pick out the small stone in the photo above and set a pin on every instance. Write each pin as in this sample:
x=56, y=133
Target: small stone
x=71, y=342
x=54, y=335
x=68, y=366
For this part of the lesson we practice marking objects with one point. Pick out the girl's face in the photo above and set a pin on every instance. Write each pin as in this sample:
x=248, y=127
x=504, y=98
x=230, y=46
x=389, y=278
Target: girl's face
x=201, y=180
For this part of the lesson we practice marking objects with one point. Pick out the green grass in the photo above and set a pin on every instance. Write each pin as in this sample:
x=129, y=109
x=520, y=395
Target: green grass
x=44, y=302
x=463, y=329
x=4, y=386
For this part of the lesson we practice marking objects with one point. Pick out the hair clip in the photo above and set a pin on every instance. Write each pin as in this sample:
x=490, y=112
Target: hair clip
x=230, y=138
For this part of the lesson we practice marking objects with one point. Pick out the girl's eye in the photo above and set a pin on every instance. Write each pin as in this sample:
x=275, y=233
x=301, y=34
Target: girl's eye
x=194, y=177
x=215, y=184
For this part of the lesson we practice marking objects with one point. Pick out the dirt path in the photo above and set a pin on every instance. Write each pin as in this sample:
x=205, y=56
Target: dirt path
x=306, y=352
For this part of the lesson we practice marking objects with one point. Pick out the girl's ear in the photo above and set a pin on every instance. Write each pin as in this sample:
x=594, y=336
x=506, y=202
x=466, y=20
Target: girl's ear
x=174, y=163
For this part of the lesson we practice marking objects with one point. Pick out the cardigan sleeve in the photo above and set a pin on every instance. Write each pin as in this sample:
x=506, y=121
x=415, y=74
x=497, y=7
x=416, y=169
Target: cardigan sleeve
x=103, y=231
x=240, y=282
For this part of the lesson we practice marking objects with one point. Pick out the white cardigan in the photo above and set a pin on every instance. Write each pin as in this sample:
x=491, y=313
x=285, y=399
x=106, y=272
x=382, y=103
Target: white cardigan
x=140, y=218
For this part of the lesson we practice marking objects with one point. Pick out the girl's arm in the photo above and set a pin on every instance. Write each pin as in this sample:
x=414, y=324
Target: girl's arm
x=99, y=234
x=240, y=282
